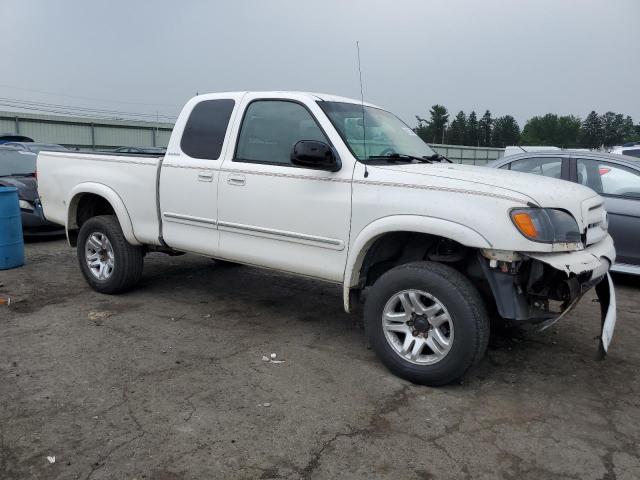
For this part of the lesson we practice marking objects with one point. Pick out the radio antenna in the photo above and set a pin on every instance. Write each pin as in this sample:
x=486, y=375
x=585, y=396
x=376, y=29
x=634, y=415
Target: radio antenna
x=364, y=131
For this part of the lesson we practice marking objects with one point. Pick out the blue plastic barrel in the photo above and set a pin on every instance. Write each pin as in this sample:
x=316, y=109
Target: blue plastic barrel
x=11, y=241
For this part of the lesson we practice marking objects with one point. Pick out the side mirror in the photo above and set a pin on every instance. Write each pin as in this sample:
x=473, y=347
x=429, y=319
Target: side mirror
x=316, y=155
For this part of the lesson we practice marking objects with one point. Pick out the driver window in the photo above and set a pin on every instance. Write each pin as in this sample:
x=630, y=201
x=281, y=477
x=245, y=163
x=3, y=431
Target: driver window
x=271, y=128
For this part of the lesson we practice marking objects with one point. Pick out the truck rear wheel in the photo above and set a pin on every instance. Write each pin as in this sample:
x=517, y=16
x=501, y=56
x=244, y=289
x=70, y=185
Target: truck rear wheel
x=426, y=322
x=108, y=262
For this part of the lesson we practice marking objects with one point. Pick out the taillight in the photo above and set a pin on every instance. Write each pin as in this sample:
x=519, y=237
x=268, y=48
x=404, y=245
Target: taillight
x=604, y=170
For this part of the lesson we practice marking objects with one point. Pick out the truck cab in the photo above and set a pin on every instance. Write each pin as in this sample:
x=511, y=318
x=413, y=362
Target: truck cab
x=248, y=201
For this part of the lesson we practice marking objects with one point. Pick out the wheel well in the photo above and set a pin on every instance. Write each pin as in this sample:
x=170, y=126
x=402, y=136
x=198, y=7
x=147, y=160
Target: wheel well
x=397, y=248
x=84, y=207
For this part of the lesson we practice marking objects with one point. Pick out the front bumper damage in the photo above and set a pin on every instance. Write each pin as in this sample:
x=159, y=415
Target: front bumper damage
x=544, y=287
x=607, y=297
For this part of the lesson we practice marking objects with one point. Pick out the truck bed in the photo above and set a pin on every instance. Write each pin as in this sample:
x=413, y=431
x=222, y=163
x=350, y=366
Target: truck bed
x=132, y=177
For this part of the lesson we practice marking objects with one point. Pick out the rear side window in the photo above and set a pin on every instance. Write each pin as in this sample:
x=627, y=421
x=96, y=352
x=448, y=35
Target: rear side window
x=206, y=127
x=548, y=167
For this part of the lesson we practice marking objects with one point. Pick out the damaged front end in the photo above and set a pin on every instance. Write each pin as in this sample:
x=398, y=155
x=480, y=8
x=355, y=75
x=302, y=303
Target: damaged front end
x=543, y=287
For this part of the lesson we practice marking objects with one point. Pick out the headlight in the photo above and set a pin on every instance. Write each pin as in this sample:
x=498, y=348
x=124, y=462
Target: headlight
x=25, y=205
x=546, y=225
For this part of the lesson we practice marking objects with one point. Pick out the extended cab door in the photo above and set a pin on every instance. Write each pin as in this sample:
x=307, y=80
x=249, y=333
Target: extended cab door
x=188, y=187
x=275, y=214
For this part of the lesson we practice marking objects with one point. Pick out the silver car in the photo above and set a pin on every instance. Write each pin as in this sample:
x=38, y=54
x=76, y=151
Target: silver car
x=615, y=177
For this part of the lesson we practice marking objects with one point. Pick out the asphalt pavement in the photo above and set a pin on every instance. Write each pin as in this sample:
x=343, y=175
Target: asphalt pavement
x=168, y=382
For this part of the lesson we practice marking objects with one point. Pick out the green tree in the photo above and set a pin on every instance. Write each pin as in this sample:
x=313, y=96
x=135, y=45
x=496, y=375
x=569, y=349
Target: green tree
x=422, y=130
x=505, y=132
x=485, y=127
x=630, y=132
x=432, y=130
x=551, y=129
x=539, y=130
x=591, y=133
x=612, y=125
x=568, y=131
x=457, y=132
x=472, y=130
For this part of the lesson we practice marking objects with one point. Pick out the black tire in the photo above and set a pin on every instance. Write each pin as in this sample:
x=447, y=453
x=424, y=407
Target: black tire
x=128, y=259
x=462, y=301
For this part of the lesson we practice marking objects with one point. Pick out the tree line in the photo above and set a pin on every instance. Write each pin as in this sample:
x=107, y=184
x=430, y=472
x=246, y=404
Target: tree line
x=567, y=131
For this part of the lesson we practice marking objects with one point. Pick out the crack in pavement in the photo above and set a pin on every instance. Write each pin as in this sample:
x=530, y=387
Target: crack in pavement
x=374, y=424
x=101, y=462
x=125, y=401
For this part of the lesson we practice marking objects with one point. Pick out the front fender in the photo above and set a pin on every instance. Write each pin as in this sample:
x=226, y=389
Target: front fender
x=404, y=223
x=110, y=196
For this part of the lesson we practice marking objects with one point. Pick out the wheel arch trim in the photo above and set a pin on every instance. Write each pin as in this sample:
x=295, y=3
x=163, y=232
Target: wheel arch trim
x=111, y=196
x=403, y=223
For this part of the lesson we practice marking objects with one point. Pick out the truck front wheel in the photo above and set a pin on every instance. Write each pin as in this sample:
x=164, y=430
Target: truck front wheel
x=108, y=262
x=426, y=322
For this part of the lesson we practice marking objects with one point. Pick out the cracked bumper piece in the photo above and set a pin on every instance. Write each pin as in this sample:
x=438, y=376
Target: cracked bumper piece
x=607, y=298
x=596, y=258
x=594, y=262
x=543, y=287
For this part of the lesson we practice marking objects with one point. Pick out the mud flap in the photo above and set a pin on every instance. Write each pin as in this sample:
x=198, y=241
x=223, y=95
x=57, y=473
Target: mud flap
x=607, y=298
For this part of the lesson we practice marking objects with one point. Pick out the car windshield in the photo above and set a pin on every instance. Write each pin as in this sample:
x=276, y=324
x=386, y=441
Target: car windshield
x=375, y=132
x=15, y=162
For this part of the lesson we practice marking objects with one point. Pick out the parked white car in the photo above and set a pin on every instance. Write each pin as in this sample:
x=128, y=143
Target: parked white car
x=322, y=186
x=629, y=149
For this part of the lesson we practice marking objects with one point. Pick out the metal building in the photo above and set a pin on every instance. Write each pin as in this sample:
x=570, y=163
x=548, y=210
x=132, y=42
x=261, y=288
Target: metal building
x=86, y=133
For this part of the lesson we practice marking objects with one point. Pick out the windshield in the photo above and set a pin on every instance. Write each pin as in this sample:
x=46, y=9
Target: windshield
x=15, y=162
x=381, y=133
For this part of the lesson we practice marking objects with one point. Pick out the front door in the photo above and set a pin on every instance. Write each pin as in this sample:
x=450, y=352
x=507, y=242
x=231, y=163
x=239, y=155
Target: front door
x=277, y=215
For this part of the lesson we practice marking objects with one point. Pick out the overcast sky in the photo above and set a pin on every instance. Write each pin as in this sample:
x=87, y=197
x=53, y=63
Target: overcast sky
x=522, y=57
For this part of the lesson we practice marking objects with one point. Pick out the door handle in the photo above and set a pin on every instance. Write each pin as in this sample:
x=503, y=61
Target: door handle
x=236, y=179
x=205, y=177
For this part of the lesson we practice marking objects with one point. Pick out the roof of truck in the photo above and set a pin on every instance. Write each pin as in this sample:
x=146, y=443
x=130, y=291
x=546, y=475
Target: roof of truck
x=314, y=96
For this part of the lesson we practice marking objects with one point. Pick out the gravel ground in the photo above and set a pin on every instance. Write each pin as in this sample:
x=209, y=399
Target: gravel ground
x=168, y=382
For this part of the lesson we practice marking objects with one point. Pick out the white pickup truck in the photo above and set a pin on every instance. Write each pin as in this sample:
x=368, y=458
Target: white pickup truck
x=342, y=191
